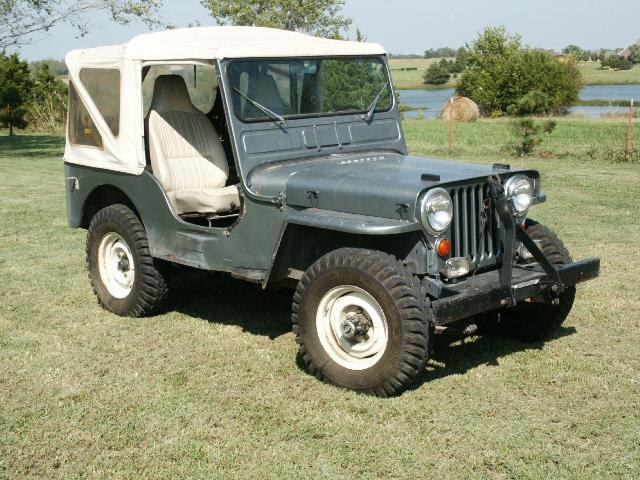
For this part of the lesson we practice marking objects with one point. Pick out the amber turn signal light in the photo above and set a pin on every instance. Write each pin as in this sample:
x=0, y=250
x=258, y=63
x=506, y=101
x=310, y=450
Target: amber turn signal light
x=443, y=247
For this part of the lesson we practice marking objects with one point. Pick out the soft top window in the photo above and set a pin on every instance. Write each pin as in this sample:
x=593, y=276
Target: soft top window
x=308, y=87
x=81, y=129
x=201, y=81
x=103, y=85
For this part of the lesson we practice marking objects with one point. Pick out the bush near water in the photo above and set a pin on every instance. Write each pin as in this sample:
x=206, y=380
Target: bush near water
x=503, y=77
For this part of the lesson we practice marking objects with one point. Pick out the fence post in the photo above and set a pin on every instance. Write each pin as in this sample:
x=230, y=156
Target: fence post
x=629, y=149
x=451, y=126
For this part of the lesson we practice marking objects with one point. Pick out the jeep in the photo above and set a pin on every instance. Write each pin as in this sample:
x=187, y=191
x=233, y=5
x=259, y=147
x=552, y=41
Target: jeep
x=280, y=159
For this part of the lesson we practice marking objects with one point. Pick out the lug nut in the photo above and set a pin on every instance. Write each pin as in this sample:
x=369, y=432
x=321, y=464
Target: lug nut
x=555, y=301
x=554, y=288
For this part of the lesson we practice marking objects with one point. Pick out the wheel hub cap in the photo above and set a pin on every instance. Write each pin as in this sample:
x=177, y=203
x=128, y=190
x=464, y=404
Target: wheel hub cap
x=355, y=325
x=352, y=327
x=115, y=263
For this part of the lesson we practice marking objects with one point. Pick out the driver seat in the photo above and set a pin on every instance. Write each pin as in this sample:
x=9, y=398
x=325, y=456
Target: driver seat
x=186, y=154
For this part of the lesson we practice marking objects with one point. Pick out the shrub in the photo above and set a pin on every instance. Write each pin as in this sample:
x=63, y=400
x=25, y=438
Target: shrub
x=502, y=76
x=617, y=63
x=530, y=104
x=436, y=74
x=528, y=135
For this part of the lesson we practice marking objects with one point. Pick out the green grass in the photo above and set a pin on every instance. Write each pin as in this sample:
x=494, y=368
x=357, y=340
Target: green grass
x=581, y=139
x=212, y=389
x=590, y=71
x=594, y=76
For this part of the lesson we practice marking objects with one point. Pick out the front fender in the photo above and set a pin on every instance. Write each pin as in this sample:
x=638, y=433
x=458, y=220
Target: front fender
x=350, y=222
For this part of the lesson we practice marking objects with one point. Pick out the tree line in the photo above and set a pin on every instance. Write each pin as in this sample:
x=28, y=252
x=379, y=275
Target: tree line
x=452, y=62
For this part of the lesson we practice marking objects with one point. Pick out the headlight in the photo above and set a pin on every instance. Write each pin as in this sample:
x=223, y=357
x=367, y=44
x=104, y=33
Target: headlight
x=519, y=190
x=436, y=210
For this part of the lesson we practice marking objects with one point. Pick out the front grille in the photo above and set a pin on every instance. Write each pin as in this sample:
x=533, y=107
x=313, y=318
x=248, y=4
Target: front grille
x=468, y=200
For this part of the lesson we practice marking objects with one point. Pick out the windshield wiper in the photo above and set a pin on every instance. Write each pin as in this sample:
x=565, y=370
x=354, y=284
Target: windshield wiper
x=369, y=115
x=270, y=113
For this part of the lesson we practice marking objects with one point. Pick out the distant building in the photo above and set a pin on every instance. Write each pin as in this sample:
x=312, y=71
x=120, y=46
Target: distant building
x=560, y=56
x=626, y=52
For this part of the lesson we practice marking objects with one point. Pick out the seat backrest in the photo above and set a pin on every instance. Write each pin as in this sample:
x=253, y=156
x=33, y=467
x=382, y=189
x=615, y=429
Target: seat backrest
x=184, y=148
x=263, y=89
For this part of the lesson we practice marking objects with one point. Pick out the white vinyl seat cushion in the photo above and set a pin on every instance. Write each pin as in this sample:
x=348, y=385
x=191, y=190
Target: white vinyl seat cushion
x=186, y=154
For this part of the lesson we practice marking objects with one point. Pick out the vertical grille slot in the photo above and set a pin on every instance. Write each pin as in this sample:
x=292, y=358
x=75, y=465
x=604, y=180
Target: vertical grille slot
x=465, y=228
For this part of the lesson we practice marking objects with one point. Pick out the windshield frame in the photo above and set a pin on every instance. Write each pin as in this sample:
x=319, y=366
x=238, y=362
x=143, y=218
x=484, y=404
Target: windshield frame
x=379, y=58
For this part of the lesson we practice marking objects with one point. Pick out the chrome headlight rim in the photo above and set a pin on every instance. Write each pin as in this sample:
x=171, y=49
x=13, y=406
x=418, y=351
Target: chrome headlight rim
x=512, y=186
x=426, y=209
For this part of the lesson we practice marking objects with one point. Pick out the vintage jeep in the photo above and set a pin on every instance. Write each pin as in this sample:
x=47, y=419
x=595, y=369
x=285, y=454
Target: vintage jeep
x=280, y=158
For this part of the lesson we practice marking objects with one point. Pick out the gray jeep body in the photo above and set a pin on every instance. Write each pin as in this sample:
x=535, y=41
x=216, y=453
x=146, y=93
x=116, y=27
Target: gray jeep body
x=317, y=184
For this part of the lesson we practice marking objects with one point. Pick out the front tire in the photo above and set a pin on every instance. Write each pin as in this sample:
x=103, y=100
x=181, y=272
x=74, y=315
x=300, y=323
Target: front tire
x=125, y=277
x=362, y=322
x=534, y=321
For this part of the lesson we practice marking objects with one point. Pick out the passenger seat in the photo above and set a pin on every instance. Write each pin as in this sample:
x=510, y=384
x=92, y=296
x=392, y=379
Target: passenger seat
x=186, y=154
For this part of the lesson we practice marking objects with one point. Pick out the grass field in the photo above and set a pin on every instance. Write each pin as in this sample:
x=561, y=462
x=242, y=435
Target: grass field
x=593, y=76
x=212, y=388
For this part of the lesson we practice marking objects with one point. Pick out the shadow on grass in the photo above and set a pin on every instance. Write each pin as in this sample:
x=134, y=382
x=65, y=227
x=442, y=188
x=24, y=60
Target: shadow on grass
x=457, y=355
x=224, y=300
x=31, y=146
x=227, y=301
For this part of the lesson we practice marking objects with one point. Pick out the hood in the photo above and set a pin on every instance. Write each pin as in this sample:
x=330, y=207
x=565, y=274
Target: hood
x=381, y=184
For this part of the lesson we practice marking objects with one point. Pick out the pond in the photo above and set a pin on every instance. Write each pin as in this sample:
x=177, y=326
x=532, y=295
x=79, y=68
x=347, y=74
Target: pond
x=431, y=102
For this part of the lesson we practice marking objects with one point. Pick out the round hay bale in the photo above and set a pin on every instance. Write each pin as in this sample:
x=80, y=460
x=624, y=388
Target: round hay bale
x=462, y=109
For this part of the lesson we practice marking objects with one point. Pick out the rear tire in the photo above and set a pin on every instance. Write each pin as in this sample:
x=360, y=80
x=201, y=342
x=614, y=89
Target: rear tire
x=369, y=288
x=534, y=321
x=125, y=278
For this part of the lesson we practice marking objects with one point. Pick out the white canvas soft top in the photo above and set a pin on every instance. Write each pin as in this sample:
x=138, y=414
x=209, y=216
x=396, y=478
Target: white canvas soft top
x=224, y=42
x=125, y=152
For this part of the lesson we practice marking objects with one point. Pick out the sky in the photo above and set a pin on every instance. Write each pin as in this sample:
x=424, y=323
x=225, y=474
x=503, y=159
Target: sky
x=411, y=26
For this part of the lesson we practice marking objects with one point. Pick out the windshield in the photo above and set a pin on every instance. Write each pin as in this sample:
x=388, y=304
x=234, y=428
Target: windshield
x=307, y=87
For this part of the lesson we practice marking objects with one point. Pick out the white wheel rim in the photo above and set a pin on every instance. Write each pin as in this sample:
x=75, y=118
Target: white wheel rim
x=337, y=306
x=115, y=263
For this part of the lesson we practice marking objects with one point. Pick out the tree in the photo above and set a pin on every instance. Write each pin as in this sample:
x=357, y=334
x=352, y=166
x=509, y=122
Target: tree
x=15, y=87
x=318, y=17
x=634, y=51
x=577, y=52
x=47, y=104
x=504, y=77
x=436, y=74
x=21, y=19
x=443, y=52
x=56, y=67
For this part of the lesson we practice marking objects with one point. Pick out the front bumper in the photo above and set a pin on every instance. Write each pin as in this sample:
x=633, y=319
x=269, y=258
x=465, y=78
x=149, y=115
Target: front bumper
x=511, y=283
x=483, y=292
